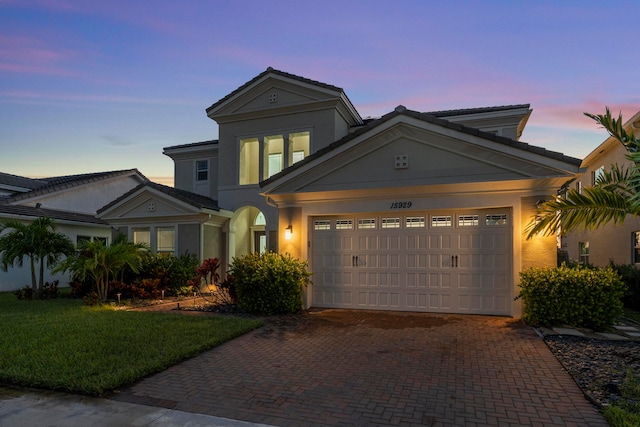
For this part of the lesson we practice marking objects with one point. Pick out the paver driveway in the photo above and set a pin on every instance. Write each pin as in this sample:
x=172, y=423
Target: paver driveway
x=362, y=368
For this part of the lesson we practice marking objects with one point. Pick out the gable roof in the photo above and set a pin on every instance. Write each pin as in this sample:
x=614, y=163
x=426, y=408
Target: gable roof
x=196, y=200
x=37, y=212
x=273, y=71
x=631, y=125
x=429, y=118
x=50, y=185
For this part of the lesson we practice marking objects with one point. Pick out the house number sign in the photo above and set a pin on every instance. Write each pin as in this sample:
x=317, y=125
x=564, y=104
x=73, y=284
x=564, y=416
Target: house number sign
x=401, y=205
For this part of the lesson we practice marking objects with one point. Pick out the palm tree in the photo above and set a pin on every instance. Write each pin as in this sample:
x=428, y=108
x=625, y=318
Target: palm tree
x=38, y=241
x=614, y=195
x=100, y=262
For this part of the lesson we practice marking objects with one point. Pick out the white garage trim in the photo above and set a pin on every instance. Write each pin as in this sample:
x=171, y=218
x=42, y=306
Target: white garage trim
x=450, y=262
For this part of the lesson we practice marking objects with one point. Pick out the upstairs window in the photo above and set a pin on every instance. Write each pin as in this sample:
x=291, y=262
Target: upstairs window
x=249, y=161
x=298, y=147
x=264, y=156
x=274, y=155
x=202, y=170
x=597, y=174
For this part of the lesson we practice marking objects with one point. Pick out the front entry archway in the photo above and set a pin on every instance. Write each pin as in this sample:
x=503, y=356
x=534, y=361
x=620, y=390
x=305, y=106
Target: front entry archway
x=247, y=232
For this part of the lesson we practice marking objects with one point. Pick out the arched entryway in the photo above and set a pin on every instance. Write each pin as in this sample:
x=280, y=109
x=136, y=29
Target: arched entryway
x=247, y=231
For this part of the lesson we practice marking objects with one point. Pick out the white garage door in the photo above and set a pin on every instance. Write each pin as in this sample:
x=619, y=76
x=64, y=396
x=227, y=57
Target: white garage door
x=452, y=262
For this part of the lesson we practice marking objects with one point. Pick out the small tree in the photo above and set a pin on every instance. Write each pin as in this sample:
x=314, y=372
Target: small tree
x=100, y=262
x=37, y=241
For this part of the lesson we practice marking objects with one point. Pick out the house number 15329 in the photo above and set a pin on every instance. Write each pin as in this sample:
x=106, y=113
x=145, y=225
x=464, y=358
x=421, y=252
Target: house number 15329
x=401, y=205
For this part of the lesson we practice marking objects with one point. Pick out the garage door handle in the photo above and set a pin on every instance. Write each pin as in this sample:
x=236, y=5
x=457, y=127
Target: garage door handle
x=454, y=261
x=354, y=261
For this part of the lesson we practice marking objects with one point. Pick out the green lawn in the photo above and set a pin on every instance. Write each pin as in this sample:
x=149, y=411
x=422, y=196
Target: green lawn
x=65, y=345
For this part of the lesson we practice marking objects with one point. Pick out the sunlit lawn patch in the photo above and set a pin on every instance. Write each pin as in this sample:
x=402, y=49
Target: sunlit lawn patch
x=65, y=345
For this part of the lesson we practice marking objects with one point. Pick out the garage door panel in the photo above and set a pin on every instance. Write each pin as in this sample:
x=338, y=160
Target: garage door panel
x=469, y=241
x=441, y=265
x=389, y=260
x=417, y=280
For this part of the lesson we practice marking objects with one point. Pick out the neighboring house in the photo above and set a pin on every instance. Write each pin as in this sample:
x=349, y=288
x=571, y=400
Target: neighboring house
x=413, y=211
x=620, y=243
x=71, y=201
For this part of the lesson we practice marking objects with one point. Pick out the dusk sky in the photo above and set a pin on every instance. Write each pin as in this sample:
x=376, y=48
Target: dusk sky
x=89, y=86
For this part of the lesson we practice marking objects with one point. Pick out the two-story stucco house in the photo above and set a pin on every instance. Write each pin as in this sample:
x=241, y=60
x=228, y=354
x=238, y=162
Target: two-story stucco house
x=619, y=243
x=412, y=211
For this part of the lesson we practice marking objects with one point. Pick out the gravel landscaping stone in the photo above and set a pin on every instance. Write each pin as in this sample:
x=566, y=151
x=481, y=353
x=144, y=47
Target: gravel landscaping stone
x=598, y=366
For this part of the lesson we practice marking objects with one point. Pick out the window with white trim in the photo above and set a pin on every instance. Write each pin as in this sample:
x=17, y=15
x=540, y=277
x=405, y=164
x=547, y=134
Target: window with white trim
x=274, y=155
x=597, y=174
x=298, y=147
x=322, y=224
x=583, y=252
x=467, y=220
x=415, y=222
x=166, y=240
x=263, y=156
x=390, y=223
x=495, y=219
x=366, y=223
x=441, y=221
x=249, y=161
x=344, y=224
x=142, y=235
x=202, y=170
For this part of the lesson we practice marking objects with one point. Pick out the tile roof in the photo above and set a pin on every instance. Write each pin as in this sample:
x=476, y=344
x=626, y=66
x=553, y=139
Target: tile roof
x=20, y=181
x=196, y=200
x=35, y=212
x=464, y=111
x=279, y=73
x=50, y=185
x=426, y=117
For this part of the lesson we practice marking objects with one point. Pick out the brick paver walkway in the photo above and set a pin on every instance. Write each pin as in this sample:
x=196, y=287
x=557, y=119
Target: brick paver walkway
x=359, y=368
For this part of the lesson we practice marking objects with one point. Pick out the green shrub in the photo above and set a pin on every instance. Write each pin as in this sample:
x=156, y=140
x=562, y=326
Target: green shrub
x=581, y=297
x=269, y=283
x=173, y=273
x=630, y=275
x=49, y=291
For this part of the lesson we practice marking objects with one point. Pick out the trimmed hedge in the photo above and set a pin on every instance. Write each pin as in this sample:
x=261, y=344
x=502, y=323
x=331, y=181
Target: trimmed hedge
x=630, y=275
x=269, y=283
x=580, y=297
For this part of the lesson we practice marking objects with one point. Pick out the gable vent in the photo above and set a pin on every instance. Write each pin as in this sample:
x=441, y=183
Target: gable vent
x=402, y=161
x=273, y=98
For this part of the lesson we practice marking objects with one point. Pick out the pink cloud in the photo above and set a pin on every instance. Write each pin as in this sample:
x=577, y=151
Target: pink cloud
x=42, y=97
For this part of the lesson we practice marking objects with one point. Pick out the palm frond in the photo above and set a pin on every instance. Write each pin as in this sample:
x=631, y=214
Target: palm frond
x=590, y=209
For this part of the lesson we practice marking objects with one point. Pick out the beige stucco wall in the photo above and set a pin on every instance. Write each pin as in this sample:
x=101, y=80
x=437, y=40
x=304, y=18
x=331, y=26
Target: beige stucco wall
x=609, y=242
x=539, y=251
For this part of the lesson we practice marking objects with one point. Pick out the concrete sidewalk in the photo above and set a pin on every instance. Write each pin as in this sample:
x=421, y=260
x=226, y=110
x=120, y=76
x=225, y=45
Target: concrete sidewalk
x=47, y=409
